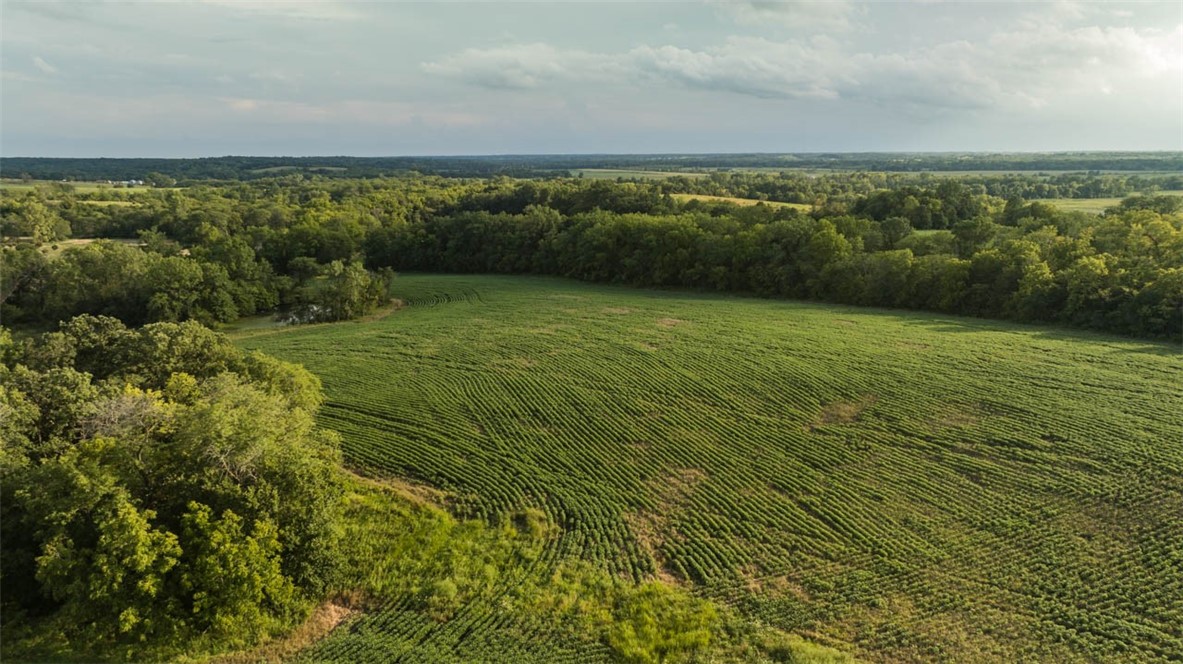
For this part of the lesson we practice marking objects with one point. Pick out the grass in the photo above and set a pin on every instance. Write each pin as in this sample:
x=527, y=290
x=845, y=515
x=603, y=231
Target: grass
x=612, y=174
x=289, y=169
x=55, y=248
x=77, y=187
x=109, y=203
x=739, y=201
x=901, y=486
x=1093, y=205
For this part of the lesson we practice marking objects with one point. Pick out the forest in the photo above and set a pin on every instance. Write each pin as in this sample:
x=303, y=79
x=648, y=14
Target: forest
x=176, y=459
x=217, y=253
x=249, y=168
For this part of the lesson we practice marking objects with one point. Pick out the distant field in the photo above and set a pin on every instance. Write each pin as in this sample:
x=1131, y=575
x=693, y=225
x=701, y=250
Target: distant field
x=739, y=201
x=612, y=174
x=285, y=169
x=53, y=249
x=903, y=486
x=78, y=187
x=1092, y=205
x=109, y=203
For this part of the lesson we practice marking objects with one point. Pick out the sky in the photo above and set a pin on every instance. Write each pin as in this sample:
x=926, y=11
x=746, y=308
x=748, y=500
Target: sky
x=289, y=77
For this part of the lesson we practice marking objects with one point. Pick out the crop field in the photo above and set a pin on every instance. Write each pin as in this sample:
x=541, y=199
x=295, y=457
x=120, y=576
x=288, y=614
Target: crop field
x=899, y=486
x=738, y=201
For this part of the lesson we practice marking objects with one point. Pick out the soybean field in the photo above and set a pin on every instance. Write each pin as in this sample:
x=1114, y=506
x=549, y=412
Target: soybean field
x=899, y=486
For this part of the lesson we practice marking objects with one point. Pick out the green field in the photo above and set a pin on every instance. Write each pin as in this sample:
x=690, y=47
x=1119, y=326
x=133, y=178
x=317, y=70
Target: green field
x=274, y=170
x=1092, y=205
x=738, y=201
x=628, y=174
x=901, y=486
x=78, y=187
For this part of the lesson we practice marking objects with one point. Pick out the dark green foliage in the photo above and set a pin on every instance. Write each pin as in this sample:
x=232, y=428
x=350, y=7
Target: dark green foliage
x=213, y=254
x=1112, y=273
x=160, y=484
x=242, y=168
x=343, y=291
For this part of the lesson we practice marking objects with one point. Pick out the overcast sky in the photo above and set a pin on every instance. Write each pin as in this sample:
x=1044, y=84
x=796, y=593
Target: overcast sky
x=289, y=77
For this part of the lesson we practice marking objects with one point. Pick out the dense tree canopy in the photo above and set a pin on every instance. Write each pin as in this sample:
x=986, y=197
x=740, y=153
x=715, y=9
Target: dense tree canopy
x=296, y=244
x=158, y=483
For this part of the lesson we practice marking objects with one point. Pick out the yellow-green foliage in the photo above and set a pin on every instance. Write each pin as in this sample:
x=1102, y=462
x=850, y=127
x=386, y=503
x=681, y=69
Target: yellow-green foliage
x=424, y=578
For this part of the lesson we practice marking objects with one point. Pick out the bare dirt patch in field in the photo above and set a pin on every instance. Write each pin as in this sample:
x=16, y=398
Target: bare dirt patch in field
x=843, y=412
x=959, y=416
x=324, y=619
x=653, y=528
x=418, y=493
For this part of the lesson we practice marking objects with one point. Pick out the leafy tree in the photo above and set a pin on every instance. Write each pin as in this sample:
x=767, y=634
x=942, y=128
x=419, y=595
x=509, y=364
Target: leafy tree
x=895, y=229
x=181, y=489
x=972, y=235
x=233, y=575
x=155, y=179
x=100, y=555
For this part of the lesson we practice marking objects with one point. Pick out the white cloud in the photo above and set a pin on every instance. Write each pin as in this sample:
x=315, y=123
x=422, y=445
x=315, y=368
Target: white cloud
x=243, y=105
x=831, y=15
x=44, y=66
x=313, y=10
x=1024, y=68
x=751, y=66
x=520, y=66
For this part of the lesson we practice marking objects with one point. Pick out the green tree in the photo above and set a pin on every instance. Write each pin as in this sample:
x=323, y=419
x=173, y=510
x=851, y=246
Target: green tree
x=233, y=575
x=973, y=234
x=100, y=555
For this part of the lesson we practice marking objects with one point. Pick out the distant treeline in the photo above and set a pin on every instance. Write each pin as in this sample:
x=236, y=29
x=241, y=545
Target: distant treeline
x=247, y=168
x=917, y=194
x=1121, y=273
x=215, y=253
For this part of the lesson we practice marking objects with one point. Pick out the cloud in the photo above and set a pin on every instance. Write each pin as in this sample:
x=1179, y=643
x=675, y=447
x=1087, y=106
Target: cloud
x=353, y=113
x=832, y=15
x=750, y=66
x=521, y=66
x=296, y=9
x=44, y=66
x=1024, y=68
x=243, y=105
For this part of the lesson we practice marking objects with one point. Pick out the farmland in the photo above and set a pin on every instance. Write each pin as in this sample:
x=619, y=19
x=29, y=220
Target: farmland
x=78, y=187
x=899, y=486
x=628, y=174
x=1092, y=205
x=738, y=201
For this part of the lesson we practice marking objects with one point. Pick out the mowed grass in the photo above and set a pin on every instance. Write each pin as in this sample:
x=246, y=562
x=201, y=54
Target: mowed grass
x=738, y=201
x=903, y=486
